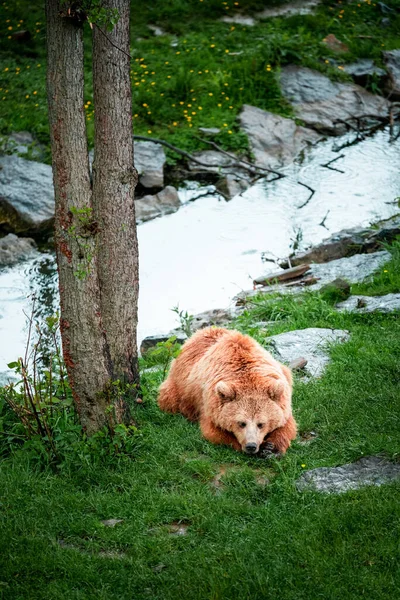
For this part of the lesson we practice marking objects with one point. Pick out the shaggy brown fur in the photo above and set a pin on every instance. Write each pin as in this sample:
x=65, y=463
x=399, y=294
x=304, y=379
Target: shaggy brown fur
x=240, y=394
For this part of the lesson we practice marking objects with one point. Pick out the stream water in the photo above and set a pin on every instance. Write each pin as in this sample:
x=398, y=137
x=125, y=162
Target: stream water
x=201, y=256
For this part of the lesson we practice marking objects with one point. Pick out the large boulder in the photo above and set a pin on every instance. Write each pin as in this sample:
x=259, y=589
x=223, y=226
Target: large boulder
x=26, y=196
x=371, y=470
x=392, y=60
x=312, y=344
x=327, y=106
x=149, y=159
x=347, y=242
x=165, y=202
x=14, y=249
x=275, y=141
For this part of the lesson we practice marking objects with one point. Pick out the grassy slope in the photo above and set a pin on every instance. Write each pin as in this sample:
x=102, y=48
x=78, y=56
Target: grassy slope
x=245, y=540
x=202, y=72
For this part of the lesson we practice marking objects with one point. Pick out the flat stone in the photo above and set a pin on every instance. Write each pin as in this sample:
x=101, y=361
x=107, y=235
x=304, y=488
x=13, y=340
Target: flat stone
x=363, y=69
x=325, y=105
x=356, y=269
x=372, y=470
x=164, y=203
x=311, y=344
x=392, y=61
x=334, y=44
x=297, y=7
x=14, y=249
x=152, y=340
x=348, y=242
x=149, y=159
x=26, y=196
x=275, y=141
x=367, y=304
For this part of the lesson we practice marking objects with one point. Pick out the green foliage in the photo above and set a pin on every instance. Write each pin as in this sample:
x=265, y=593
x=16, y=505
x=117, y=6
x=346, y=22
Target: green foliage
x=38, y=414
x=185, y=320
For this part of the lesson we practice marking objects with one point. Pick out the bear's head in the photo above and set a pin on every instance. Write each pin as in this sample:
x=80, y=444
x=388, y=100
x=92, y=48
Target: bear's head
x=253, y=409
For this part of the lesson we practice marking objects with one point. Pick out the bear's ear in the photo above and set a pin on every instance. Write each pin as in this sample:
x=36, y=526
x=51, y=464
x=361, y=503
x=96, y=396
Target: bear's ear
x=225, y=391
x=277, y=389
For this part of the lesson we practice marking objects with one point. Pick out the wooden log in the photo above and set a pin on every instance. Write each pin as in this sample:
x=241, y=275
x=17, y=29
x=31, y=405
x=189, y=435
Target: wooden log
x=280, y=276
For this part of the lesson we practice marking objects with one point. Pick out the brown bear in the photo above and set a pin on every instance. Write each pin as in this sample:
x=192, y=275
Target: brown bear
x=240, y=394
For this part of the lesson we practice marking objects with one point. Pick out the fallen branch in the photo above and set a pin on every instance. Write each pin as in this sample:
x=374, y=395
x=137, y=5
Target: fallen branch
x=322, y=224
x=281, y=276
x=310, y=196
x=327, y=165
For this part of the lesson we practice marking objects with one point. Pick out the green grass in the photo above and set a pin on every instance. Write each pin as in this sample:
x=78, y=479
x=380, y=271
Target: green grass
x=244, y=540
x=202, y=72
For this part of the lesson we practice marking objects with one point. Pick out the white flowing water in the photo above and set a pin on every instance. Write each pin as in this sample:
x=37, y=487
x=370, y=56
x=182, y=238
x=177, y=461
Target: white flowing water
x=201, y=256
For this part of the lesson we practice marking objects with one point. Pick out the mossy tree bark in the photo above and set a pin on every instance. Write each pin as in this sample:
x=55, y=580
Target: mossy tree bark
x=98, y=306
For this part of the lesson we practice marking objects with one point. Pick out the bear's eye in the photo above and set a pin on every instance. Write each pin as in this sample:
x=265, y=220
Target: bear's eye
x=260, y=425
x=242, y=424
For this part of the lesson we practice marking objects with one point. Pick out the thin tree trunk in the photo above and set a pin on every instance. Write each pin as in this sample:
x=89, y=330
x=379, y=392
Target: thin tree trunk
x=114, y=181
x=85, y=348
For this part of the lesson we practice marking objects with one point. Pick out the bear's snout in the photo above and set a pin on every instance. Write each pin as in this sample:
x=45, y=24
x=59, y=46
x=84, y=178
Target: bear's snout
x=250, y=448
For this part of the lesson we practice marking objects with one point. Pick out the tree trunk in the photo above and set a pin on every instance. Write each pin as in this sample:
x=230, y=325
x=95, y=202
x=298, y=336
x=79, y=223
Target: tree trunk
x=99, y=341
x=114, y=181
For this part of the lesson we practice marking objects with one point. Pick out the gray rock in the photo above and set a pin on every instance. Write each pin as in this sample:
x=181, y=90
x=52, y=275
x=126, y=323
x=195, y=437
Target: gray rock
x=22, y=142
x=325, y=105
x=164, y=203
x=152, y=340
x=233, y=185
x=26, y=196
x=240, y=20
x=348, y=242
x=275, y=141
x=14, y=249
x=214, y=162
x=311, y=343
x=149, y=159
x=392, y=61
x=297, y=7
x=367, y=304
x=355, y=268
x=215, y=316
x=363, y=69
x=372, y=470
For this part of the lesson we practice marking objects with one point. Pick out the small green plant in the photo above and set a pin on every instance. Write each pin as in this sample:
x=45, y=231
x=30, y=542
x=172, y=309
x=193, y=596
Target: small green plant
x=185, y=320
x=162, y=354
